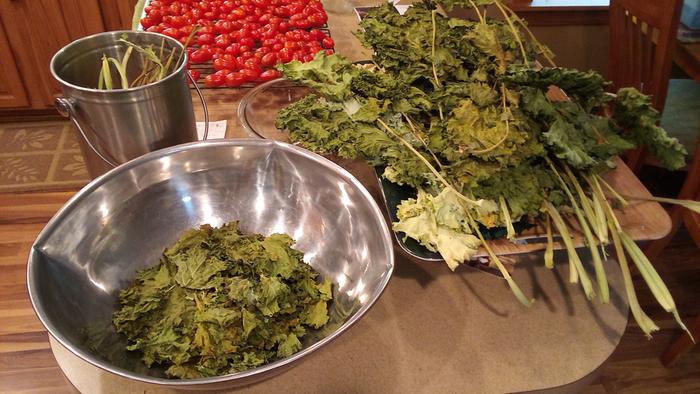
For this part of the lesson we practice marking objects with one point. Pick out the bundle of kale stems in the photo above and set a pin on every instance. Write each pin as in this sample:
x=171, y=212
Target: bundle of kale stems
x=459, y=110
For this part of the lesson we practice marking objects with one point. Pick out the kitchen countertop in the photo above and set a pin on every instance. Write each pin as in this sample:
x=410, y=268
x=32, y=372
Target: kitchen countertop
x=431, y=331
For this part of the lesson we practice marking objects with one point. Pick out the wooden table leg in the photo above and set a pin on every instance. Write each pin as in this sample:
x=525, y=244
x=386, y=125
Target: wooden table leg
x=681, y=345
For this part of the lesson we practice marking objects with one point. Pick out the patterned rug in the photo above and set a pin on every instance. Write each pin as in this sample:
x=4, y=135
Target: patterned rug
x=40, y=156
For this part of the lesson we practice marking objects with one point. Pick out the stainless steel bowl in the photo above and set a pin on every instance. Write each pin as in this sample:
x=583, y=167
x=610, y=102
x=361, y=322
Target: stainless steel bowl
x=122, y=221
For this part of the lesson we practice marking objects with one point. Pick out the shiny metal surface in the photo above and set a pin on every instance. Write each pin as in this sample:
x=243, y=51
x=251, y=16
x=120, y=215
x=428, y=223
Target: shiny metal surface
x=122, y=221
x=122, y=124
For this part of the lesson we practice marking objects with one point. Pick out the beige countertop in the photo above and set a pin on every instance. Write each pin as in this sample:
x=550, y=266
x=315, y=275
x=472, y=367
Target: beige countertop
x=437, y=331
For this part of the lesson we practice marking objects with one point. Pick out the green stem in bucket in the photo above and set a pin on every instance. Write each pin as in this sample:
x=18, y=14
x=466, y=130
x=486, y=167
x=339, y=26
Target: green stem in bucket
x=106, y=73
x=138, y=11
x=186, y=44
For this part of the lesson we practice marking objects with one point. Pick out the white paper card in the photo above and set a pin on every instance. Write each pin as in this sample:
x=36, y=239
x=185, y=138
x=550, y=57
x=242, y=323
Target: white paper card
x=216, y=129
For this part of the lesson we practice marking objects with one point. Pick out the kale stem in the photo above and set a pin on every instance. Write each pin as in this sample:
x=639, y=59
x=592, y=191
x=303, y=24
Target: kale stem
x=437, y=81
x=576, y=269
x=643, y=320
x=543, y=49
x=588, y=208
x=506, y=218
x=107, y=73
x=101, y=80
x=185, y=45
x=506, y=275
x=549, y=251
x=590, y=241
x=615, y=194
x=427, y=163
x=515, y=32
x=687, y=204
x=478, y=14
x=425, y=144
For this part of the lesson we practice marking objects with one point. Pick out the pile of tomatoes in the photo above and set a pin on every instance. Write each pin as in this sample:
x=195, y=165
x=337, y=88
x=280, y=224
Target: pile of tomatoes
x=244, y=39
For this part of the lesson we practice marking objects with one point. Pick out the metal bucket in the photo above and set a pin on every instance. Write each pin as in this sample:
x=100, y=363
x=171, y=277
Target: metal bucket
x=121, y=124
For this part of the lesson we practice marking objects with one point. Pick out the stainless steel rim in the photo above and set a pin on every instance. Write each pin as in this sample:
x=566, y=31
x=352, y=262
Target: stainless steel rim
x=277, y=365
x=84, y=89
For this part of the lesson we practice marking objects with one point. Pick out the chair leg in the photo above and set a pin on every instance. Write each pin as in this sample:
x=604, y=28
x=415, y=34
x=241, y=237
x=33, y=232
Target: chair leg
x=654, y=248
x=681, y=345
x=689, y=190
x=691, y=220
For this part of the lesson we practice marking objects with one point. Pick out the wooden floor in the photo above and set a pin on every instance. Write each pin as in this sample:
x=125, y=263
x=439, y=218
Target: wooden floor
x=635, y=367
x=27, y=365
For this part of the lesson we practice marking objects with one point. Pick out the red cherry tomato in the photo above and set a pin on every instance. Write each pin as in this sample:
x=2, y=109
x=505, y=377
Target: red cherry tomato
x=317, y=35
x=247, y=41
x=233, y=49
x=223, y=27
x=315, y=20
x=205, y=39
x=270, y=74
x=222, y=63
x=172, y=32
x=234, y=79
x=206, y=30
x=186, y=30
x=265, y=19
x=222, y=41
x=147, y=22
x=252, y=62
x=213, y=80
x=295, y=9
x=250, y=74
x=200, y=56
x=178, y=21
x=195, y=74
x=237, y=14
x=155, y=14
x=155, y=29
x=328, y=43
x=284, y=55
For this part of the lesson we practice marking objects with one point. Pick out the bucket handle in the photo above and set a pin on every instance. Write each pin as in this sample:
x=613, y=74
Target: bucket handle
x=204, y=106
x=66, y=107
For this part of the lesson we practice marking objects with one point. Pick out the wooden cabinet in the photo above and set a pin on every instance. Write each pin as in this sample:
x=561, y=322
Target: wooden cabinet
x=117, y=14
x=12, y=91
x=31, y=31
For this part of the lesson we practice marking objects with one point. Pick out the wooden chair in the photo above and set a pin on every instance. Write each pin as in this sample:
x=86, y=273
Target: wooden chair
x=642, y=42
x=690, y=190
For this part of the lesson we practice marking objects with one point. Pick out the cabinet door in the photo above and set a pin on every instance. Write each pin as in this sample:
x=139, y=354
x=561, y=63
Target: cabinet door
x=12, y=93
x=37, y=29
x=117, y=14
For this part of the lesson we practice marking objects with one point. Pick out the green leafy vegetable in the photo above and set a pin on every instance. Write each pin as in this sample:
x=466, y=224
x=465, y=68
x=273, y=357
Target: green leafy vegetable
x=460, y=111
x=634, y=113
x=222, y=301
